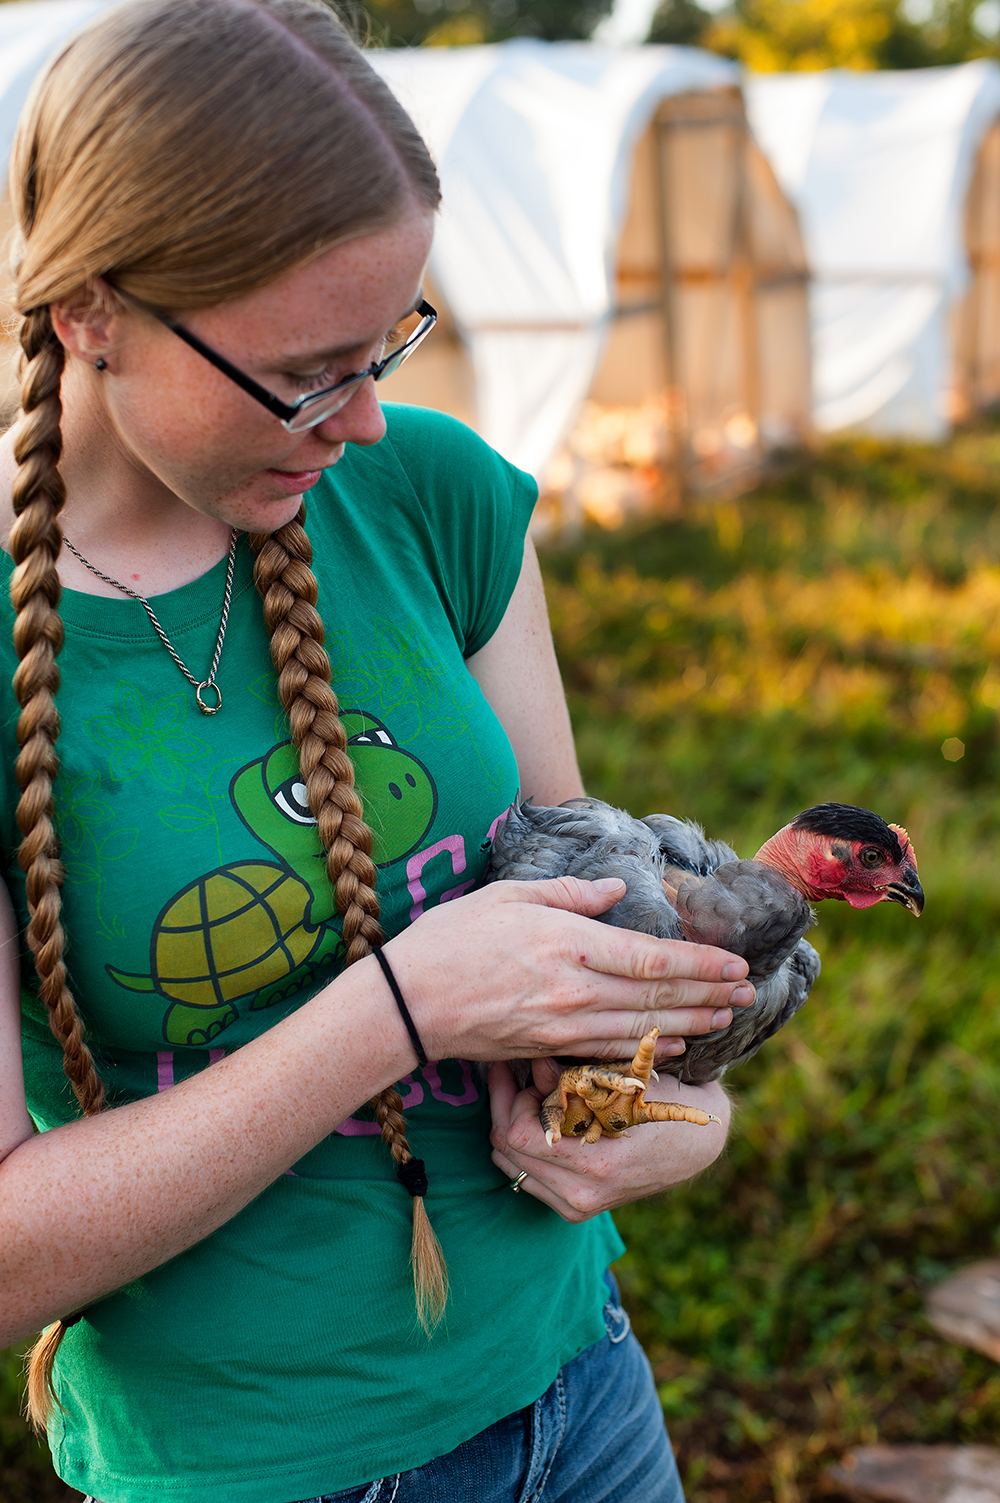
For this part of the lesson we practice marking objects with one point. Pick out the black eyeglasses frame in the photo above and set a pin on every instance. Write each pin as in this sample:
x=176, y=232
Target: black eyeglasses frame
x=287, y=412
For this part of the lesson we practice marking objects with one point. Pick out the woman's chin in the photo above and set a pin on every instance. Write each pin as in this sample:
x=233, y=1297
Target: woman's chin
x=256, y=507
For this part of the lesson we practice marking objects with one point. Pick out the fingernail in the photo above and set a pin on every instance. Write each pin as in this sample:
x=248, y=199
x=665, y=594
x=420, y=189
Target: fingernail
x=734, y=971
x=722, y=1018
x=669, y=1050
x=742, y=995
x=608, y=884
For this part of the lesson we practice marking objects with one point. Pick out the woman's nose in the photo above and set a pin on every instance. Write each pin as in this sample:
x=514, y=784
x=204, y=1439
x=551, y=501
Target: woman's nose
x=359, y=421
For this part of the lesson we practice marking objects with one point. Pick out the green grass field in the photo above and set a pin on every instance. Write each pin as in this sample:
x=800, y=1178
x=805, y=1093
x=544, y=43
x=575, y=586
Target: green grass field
x=823, y=638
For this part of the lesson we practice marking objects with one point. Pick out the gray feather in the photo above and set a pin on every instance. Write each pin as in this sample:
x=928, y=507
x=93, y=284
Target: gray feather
x=709, y=1055
x=683, y=843
x=588, y=839
x=744, y=907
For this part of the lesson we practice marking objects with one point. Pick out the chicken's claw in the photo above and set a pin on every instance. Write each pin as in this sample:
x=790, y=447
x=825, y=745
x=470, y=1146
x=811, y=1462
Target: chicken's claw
x=606, y=1099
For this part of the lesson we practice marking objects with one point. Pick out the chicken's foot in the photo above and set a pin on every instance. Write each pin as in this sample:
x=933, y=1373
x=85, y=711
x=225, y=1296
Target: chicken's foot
x=606, y=1099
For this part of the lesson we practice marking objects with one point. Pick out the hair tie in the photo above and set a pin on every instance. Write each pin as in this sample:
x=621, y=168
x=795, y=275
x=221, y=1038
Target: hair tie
x=413, y=1176
x=404, y=1013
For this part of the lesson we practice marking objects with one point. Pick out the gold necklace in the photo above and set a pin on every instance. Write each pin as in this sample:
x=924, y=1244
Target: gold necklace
x=206, y=683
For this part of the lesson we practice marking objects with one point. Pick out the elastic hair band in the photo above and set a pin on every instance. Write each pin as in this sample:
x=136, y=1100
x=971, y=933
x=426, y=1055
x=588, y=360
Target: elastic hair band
x=413, y=1176
x=404, y=1013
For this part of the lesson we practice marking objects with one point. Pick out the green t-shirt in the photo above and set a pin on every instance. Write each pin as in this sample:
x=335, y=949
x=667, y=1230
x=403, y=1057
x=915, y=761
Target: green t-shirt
x=280, y=1358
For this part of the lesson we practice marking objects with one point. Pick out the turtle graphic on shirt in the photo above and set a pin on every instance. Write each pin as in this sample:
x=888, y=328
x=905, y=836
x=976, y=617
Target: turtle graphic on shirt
x=261, y=928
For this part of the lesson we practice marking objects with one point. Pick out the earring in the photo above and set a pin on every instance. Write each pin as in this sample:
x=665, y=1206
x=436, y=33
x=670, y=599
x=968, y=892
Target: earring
x=100, y=365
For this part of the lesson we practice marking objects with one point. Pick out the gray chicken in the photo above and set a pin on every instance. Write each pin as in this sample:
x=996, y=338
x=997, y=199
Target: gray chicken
x=680, y=885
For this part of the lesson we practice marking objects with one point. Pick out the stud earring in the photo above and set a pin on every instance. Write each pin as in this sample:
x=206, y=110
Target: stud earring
x=100, y=365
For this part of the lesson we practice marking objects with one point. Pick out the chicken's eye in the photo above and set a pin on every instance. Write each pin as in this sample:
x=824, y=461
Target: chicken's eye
x=872, y=857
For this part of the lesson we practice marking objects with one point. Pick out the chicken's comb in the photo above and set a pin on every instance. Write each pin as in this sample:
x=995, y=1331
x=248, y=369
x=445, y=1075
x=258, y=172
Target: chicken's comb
x=904, y=841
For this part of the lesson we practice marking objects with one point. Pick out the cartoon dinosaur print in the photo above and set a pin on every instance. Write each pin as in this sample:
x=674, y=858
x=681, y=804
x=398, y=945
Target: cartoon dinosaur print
x=263, y=929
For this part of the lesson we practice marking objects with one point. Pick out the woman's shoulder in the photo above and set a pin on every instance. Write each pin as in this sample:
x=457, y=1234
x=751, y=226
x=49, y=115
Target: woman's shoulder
x=442, y=459
x=436, y=477
x=435, y=491
x=422, y=432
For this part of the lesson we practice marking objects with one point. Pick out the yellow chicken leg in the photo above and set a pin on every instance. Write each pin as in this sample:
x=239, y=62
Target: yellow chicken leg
x=606, y=1099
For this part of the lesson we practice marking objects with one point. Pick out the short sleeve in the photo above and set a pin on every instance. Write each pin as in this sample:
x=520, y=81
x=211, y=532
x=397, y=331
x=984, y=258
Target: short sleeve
x=477, y=508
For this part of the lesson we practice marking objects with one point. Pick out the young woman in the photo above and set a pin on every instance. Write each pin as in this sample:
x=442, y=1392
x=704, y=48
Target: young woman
x=223, y=219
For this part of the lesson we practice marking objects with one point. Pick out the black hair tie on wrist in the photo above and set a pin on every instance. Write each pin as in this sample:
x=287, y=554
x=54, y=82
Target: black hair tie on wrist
x=411, y=1027
x=413, y=1176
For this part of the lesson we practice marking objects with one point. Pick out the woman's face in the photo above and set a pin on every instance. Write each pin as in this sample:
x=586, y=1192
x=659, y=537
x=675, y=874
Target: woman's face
x=183, y=425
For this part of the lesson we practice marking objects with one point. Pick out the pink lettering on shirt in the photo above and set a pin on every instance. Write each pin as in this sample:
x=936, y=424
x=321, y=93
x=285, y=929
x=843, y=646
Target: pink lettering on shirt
x=352, y=1128
x=498, y=822
x=433, y=1079
x=455, y=846
x=165, y=1066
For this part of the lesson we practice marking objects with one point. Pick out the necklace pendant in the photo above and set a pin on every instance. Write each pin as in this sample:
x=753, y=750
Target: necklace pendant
x=207, y=683
x=207, y=709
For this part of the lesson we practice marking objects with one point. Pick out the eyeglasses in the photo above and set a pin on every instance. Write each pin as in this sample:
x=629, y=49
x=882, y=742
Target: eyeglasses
x=315, y=406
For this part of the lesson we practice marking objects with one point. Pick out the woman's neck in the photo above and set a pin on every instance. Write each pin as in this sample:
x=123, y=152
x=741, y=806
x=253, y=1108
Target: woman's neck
x=122, y=520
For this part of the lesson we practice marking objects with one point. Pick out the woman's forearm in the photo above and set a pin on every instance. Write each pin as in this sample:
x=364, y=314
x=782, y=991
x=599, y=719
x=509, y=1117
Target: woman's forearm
x=516, y=970
x=87, y=1207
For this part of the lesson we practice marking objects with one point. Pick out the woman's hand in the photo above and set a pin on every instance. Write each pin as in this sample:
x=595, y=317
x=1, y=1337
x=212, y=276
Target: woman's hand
x=519, y=970
x=579, y=1180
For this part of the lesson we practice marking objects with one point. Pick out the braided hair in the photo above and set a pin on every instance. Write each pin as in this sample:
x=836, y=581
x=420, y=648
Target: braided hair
x=257, y=137
x=287, y=585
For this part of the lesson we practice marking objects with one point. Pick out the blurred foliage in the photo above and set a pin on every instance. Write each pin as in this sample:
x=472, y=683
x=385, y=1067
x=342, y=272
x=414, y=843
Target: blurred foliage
x=456, y=23
x=26, y=1474
x=776, y=35
x=766, y=35
x=823, y=638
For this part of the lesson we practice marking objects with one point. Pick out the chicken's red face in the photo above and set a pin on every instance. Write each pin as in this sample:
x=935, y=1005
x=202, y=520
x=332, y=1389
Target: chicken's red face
x=837, y=851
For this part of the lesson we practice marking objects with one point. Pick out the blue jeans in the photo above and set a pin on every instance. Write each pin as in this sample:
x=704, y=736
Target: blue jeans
x=595, y=1436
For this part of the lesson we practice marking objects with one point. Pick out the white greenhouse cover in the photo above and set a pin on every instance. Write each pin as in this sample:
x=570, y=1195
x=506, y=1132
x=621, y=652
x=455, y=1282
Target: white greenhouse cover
x=534, y=141
x=879, y=167
x=29, y=33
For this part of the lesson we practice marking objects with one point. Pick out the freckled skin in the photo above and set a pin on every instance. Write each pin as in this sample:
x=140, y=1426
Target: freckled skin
x=163, y=454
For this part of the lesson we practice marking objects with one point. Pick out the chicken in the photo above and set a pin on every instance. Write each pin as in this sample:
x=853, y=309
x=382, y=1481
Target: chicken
x=680, y=885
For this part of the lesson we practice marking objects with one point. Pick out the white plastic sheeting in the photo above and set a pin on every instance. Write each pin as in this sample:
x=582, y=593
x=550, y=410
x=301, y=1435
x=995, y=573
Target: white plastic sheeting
x=29, y=34
x=879, y=167
x=534, y=141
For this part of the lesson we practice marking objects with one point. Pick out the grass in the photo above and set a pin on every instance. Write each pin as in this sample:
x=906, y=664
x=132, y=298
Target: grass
x=834, y=635
x=823, y=638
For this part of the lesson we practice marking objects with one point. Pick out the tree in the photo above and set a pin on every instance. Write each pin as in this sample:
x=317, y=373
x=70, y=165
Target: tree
x=681, y=23
x=778, y=35
x=766, y=35
x=461, y=22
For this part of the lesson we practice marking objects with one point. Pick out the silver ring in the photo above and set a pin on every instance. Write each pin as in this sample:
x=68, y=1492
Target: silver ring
x=208, y=709
x=516, y=1184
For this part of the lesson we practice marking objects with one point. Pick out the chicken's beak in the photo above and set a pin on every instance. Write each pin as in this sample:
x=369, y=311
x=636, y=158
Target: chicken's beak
x=908, y=892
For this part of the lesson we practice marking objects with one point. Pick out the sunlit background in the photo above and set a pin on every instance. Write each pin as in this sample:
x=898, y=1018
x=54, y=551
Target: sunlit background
x=764, y=332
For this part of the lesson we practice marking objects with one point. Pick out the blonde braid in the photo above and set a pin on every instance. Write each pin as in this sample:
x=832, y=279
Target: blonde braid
x=289, y=590
x=35, y=540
